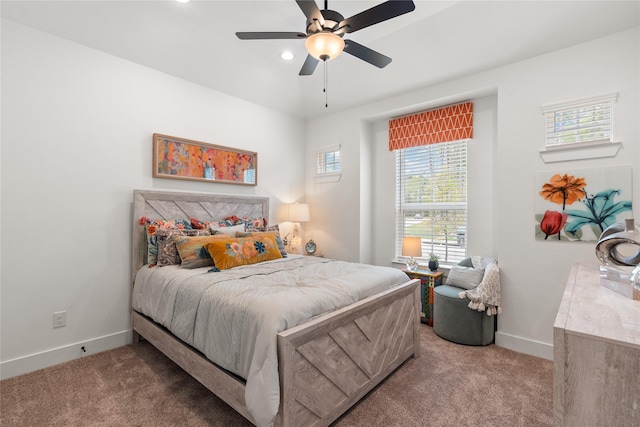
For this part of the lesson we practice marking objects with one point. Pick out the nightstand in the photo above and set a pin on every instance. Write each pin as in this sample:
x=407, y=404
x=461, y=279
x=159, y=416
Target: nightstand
x=428, y=281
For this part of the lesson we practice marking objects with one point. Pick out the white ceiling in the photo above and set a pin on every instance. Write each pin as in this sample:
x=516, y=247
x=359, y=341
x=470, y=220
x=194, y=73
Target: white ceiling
x=436, y=42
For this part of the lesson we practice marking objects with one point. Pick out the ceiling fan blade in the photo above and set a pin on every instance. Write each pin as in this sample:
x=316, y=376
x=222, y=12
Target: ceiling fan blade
x=309, y=66
x=366, y=54
x=269, y=35
x=311, y=10
x=382, y=12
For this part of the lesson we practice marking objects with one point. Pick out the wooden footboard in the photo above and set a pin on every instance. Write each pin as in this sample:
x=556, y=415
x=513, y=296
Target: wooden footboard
x=326, y=365
x=330, y=363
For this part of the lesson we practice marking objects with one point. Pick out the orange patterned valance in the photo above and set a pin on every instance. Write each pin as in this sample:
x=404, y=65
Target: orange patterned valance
x=445, y=124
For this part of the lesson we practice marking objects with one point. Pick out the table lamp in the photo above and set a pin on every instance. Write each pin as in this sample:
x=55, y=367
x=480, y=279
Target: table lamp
x=297, y=213
x=412, y=247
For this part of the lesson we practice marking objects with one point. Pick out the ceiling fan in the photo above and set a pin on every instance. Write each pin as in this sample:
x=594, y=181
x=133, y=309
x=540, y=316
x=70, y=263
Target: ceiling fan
x=326, y=29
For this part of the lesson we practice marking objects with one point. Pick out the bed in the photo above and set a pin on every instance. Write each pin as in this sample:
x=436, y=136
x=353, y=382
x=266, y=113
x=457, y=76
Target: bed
x=324, y=365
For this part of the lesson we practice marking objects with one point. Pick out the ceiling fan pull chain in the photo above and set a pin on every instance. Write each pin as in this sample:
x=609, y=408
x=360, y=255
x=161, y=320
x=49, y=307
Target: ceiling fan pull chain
x=326, y=81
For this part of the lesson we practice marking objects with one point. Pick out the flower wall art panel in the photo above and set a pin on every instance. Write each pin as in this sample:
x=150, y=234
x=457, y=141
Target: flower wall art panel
x=578, y=205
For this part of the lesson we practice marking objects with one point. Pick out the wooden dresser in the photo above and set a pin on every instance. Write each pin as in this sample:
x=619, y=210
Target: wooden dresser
x=596, y=352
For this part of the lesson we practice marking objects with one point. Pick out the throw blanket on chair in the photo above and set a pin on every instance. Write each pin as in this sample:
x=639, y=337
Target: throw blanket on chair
x=485, y=296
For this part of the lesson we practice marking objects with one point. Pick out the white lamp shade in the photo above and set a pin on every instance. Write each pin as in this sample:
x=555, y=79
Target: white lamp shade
x=324, y=45
x=412, y=246
x=298, y=212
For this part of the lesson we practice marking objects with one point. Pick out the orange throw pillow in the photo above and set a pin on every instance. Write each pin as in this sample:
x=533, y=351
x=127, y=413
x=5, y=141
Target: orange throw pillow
x=233, y=252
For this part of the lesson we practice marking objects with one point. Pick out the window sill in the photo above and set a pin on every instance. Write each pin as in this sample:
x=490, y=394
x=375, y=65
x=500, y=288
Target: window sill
x=329, y=177
x=593, y=151
x=402, y=264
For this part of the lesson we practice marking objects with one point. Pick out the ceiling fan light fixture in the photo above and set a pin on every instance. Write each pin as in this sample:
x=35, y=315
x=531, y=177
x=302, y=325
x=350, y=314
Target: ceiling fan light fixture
x=324, y=45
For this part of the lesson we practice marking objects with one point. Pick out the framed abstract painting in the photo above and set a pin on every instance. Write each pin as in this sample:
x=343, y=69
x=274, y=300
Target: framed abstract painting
x=578, y=205
x=179, y=158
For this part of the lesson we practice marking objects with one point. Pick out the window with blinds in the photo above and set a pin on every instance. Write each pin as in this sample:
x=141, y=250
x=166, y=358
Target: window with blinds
x=588, y=120
x=328, y=164
x=431, y=199
x=328, y=160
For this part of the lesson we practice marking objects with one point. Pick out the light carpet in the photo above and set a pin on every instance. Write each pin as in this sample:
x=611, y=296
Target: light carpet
x=135, y=385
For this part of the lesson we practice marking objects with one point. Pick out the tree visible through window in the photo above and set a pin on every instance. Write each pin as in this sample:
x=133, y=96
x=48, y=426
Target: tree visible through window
x=431, y=198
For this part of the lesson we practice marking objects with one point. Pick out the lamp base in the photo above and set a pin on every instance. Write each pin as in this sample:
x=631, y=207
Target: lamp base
x=412, y=264
x=295, y=244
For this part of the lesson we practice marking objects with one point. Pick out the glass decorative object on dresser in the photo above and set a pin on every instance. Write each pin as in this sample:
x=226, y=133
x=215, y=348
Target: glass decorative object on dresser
x=619, y=246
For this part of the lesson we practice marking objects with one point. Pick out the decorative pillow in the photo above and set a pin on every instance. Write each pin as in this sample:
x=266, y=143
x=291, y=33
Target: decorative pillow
x=464, y=277
x=250, y=222
x=233, y=219
x=231, y=231
x=276, y=234
x=153, y=225
x=201, y=225
x=231, y=253
x=167, y=250
x=192, y=252
x=252, y=228
x=176, y=223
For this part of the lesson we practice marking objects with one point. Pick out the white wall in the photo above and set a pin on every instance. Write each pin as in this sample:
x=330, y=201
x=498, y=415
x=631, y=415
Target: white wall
x=503, y=160
x=76, y=141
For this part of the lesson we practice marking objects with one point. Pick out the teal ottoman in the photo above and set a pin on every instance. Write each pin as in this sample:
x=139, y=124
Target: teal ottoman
x=454, y=321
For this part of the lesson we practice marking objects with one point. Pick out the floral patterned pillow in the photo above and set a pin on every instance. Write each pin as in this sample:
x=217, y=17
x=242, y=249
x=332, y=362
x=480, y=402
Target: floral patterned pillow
x=253, y=228
x=204, y=225
x=192, y=252
x=275, y=233
x=152, y=226
x=229, y=253
x=167, y=250
x=249, y=222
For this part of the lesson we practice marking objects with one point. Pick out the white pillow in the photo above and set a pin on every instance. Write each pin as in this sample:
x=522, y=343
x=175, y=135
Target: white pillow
x=464, y=277
x=231, y=231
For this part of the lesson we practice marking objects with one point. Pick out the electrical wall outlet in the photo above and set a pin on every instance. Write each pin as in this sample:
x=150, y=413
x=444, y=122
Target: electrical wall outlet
x=59, y=319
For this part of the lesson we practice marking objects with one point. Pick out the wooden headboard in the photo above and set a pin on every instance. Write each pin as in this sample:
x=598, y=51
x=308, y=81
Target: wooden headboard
x=172, y=205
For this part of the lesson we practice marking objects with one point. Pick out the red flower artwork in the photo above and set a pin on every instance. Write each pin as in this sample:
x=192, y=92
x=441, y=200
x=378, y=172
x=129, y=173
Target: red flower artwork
x=552, y=223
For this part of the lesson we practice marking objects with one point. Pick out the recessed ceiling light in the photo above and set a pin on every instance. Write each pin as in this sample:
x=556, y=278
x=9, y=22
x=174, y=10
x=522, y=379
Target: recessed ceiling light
x=286, y=55
x=183, y=1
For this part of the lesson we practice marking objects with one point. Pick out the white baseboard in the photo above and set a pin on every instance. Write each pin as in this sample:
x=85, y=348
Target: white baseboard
x=33, y=362
x=523, y=345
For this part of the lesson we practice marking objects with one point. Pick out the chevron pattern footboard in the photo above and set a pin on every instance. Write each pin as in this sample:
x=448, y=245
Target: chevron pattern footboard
x=331, y=367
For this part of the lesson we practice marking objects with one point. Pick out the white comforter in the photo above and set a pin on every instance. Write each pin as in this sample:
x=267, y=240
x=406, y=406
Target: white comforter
x=233, y=316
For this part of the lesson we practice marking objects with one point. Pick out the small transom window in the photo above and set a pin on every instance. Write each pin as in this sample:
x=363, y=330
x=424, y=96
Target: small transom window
x=328, y=160
x=584, y=121
x=328, y=164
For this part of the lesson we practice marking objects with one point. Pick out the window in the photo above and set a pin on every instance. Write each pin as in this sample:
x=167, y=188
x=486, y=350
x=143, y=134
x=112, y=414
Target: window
x=587, y=120
x=328, y=164
x=431, y=198
x=328, y=161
